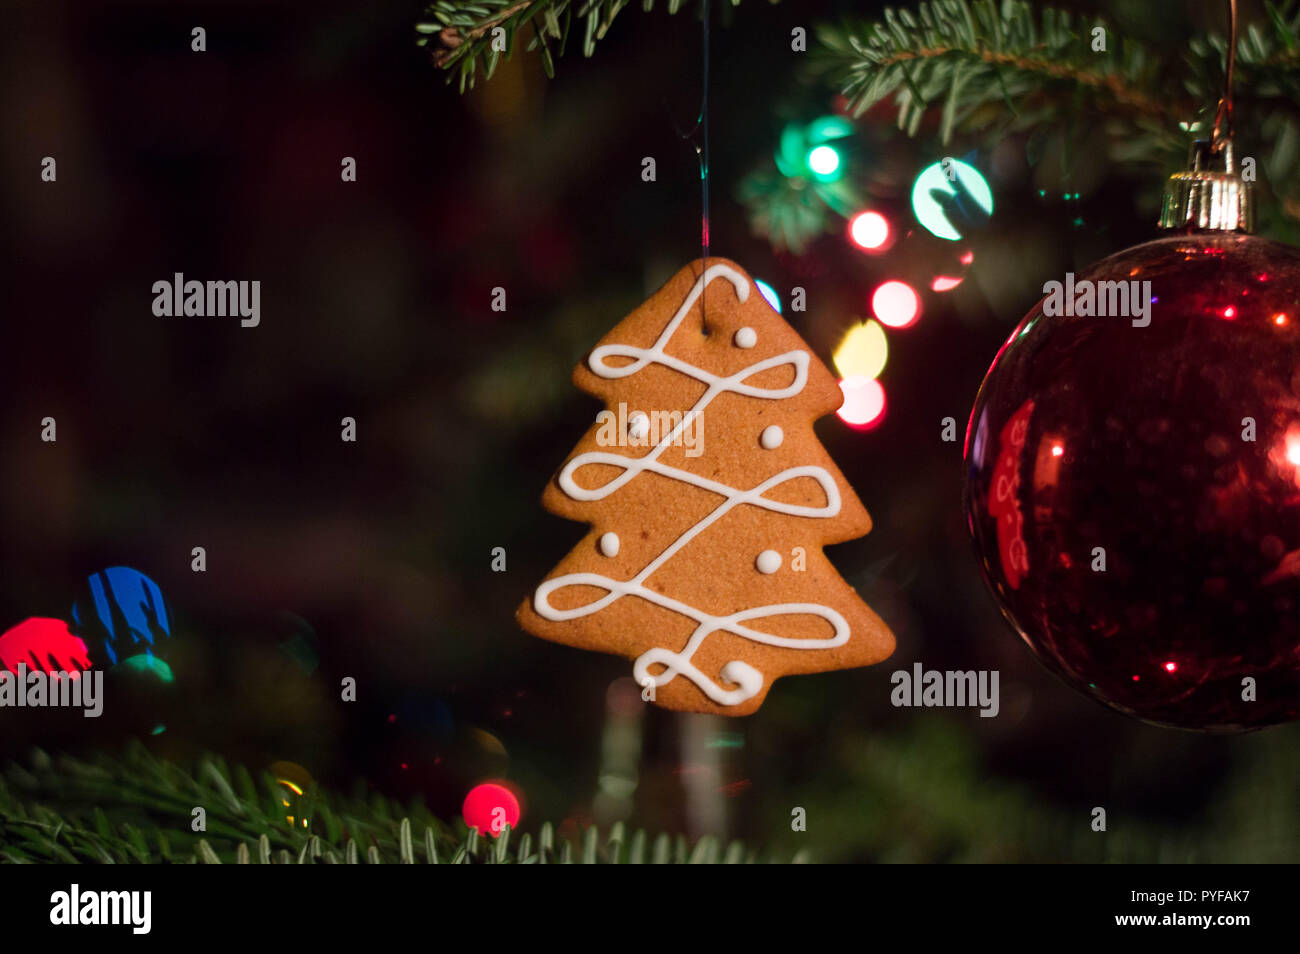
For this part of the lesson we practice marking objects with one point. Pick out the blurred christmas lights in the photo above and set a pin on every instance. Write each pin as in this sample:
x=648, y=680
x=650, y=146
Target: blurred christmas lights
x=489, y=807
x=295, y=780
x=869, y=231
x=829, y=128
x=824, y=163
x=863, y=352
x=896, y=304
x=808, y=151
x=147, y=664
x=950, y=193
x=768, y=292
x=488, y=742
x=43, y=645
x=119, y=613
x=864, y=402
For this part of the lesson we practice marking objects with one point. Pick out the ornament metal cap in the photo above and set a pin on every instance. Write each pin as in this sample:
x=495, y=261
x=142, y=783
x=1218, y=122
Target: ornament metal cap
x=1210, y=195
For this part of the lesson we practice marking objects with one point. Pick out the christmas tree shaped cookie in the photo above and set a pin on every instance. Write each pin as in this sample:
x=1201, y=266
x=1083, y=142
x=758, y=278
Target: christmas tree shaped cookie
x=709, y=499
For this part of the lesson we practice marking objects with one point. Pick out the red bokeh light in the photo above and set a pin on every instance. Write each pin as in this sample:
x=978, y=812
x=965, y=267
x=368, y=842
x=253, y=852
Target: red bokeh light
x=489, y=807
x=869, y=231
x=896, y=304
x=864, y=402
x=44, y=645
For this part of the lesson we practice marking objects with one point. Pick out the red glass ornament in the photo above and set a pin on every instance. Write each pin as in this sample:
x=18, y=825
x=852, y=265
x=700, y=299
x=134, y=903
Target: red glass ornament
x=1171, y=452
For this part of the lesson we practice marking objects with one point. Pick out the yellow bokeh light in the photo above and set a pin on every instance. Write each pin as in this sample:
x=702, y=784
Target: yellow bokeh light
x=294, y=781
x=863, y=352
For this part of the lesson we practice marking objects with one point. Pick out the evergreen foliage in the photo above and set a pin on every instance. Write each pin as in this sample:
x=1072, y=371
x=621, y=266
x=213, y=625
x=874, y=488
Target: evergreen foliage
x=984, y=69
x=143, y=808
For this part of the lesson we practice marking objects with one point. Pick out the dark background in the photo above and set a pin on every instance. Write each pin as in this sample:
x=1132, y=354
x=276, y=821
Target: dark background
x=183, y=432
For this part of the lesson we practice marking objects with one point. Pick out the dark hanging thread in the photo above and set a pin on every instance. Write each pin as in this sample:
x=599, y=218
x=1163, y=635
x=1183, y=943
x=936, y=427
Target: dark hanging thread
x=702, y=149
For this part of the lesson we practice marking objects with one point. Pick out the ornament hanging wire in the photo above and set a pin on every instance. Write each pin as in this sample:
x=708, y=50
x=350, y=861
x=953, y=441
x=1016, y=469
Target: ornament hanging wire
x=1223, y=115
x=1211, y=193
x=701, y=147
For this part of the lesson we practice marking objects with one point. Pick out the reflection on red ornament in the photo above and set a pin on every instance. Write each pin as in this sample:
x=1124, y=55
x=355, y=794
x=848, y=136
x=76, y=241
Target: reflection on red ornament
x=1293, y=450
x=489, y=807
x=1004, y=496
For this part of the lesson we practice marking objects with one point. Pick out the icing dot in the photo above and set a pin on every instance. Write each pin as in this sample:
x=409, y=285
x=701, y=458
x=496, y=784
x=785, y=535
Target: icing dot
x=638, y=426
x=609, y=544
x=769, y=561
x=771, y=437
x=746, y=338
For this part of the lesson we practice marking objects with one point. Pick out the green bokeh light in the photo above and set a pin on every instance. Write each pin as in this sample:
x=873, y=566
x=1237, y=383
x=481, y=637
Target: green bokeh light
x=824, y=163
x=931, y=212
x=147, y=663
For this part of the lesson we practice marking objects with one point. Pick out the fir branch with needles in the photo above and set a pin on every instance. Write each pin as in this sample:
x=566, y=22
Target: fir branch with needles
x=933, y=800
x=961, y=55
x=980, y=70
x=460, y=35
x=138, y=809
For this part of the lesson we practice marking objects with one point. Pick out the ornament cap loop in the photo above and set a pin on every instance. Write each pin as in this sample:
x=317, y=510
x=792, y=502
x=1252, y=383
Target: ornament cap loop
x=1210, y=195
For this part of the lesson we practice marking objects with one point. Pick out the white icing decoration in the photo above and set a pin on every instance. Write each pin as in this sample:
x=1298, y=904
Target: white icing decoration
x=609, y=544
x=771, y=437
x=746, y=337
x=769, y=561
x=638, y=426
x=745, y=677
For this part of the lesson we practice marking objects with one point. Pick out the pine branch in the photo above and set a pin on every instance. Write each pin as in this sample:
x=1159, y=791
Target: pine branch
x=985, y=69
x=966, y=54
x=788, y=215
x=460, y=33
x=975, y=58
x=142, y=814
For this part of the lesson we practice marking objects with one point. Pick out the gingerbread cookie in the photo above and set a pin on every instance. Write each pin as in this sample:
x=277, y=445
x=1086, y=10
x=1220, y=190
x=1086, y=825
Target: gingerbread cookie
x=709, y=499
